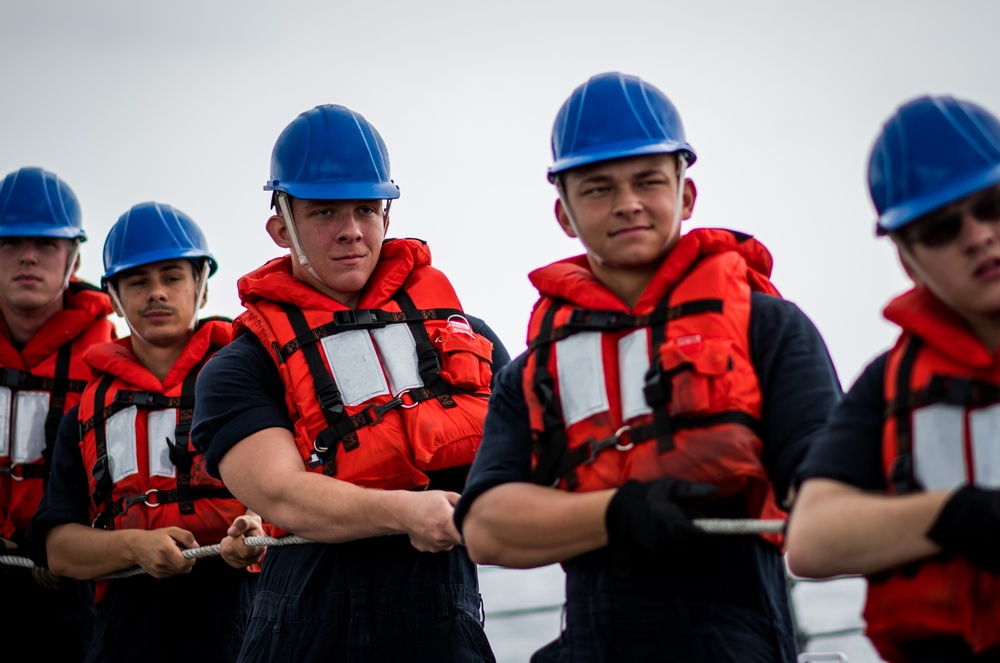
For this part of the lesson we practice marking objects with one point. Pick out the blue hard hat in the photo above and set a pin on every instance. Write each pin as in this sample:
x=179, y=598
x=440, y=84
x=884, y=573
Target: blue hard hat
x=36, y=203
x=932, y=152
x=613, y=116
x=331, y=153
x=150, y=232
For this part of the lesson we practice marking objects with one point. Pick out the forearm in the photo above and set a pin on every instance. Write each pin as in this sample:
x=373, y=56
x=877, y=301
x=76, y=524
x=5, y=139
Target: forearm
x=522, y=525
x=84, y=553
x=836, y=529
x=267, y=474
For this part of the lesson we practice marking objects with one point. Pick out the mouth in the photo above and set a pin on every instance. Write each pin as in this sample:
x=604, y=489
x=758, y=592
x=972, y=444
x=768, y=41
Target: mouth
x=349, y=260
x=27, y=279
x=989, y=268
x=157, y=314
x=631, y=230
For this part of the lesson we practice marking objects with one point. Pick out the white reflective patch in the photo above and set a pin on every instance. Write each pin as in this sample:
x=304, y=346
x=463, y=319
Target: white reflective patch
x=398, y=351
x=984, y=429
x=160, y=426
x=30, y=410
x=4, y=421
x=355, y=367
x=938, y=447
x=582, y=391
x=120, y=431
x=633, y=362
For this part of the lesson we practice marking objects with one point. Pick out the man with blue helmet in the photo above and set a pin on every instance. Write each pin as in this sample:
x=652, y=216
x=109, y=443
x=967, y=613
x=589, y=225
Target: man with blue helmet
x=48, y=319
x=347, y=411
x=903, y=485
x=127, y=488
x=664, y=378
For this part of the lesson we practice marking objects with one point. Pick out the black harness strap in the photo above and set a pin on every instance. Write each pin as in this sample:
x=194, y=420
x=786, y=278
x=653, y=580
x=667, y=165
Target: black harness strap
x=330, y=401
x=180, y=454
x=607, y=321
x=153, y=499
x=101, y=471
x=550, y=445
x=901, y=472
x=359, y=319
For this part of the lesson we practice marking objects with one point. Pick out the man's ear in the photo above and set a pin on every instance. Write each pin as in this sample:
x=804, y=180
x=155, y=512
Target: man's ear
x=690, y=195
x=563, y=218
x=278, y=230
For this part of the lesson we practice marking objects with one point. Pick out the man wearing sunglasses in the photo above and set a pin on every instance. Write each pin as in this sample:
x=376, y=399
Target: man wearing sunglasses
x=902, y=486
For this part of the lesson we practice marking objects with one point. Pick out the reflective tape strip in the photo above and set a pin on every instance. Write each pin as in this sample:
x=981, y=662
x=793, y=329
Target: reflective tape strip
x=938, y=446
x=984, y=428
x=398, y=350
x=580, y=366
x=355, y=366
x=30, y=410
x=633, y=362
x=120, y=429
x=4, y=422
x=160, y=426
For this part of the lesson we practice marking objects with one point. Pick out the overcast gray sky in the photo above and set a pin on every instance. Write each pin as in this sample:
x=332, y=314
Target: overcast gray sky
x=180, y=102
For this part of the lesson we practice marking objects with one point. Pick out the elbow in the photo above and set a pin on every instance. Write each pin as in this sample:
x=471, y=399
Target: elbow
x=806, y=555
x=483, y=548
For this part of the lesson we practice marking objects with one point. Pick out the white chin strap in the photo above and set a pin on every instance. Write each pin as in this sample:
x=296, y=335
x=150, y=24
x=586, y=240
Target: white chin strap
x=300, y=253
x=118, y=306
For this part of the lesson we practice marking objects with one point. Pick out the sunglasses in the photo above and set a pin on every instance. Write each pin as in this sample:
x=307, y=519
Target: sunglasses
x=940, y=228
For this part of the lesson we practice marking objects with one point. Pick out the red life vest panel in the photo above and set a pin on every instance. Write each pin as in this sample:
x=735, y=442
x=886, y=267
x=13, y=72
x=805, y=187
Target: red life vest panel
x=942, y=430
x=142, y=470
x=38, y=385
x=381, y=394
x=666, y=388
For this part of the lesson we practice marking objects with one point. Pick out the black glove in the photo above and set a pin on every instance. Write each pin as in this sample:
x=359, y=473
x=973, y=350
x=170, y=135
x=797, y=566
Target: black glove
x=655, y=516
x=969, y=525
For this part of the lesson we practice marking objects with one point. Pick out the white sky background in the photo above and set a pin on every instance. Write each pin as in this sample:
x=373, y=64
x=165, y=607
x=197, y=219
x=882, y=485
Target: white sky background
x=180, y=102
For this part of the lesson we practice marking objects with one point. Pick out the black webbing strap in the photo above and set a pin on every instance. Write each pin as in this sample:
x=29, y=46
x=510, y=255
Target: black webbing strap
x=126, y=398
x=607, y=321
x=901, y=472
x=587, y=452
x=57, y=399
x=153, y=499
x=359, y=319
x=23, y=380
x=101, y=471
x=180, y=454
x=550, y=445
x=330, y=401
x=428, y=359
x=658, y=386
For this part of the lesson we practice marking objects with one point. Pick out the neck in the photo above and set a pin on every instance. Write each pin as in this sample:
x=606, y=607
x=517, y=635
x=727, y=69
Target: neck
x=25, y=324
x=987, y=330
x=158, y=359
x=627, y=284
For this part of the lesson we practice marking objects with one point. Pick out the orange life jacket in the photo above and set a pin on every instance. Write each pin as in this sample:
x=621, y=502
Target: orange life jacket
x=666, y=388
x=38, y=384
x=383, y=393
x=142, y=470
x=942, y=430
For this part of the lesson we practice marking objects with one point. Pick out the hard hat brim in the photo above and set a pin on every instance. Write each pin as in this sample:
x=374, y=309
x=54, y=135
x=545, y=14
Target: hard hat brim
x=336, y=190
x=619, y=151
x=42, y=230
x=156, y=256
x=899, y=216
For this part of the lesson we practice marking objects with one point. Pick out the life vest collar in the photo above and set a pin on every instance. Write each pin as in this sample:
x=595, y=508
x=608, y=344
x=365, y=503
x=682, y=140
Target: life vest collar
x=922, y=314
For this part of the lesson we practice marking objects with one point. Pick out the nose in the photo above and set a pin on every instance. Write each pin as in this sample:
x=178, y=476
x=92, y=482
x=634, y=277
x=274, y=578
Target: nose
x=627, y=202
x=976, y=234
x=29, y=253
x=350, y=230
x=157, y=291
